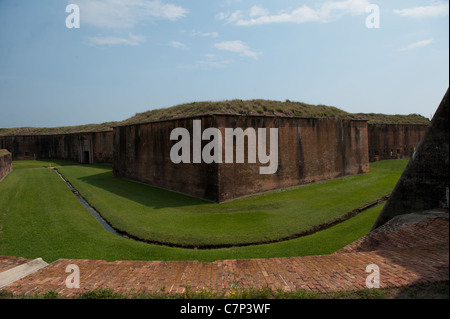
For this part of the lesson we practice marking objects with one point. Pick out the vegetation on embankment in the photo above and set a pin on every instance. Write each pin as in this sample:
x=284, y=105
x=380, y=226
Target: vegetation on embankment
x=40, y=217
x=159, y=216
x=241, y=107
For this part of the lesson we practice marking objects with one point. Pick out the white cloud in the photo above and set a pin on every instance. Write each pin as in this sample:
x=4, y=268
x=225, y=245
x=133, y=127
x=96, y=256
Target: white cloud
x=125, y=13
x=202, y=34
x=209, y=64
x=257, y=11
x=133, y=40
x=222, y=16
x=235, y=16
x=418, y=44
x=178, y=45
x=331, y=10
x=210, y=61
x=237, y=47
x=230, y=17
x=299, y=15
x=212, y=56
x=325, y=12
x=433, y=11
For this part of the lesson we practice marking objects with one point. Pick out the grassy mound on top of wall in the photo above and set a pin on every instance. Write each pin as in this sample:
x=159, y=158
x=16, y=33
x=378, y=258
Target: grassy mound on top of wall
x=40, y=217
x=242, y=107
x=161, y=216
x=262, y=107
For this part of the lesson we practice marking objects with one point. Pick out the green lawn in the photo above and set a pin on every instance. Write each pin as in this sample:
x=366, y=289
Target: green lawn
x=40, y=217
x=159, y=215
x=41, y=163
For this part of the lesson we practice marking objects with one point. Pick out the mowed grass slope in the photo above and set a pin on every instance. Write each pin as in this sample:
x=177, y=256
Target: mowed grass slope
x=162, y=216
x=40, y=217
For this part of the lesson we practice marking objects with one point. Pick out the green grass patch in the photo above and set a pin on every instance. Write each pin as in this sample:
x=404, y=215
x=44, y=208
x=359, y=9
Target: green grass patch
x=41, y=164
x=437, y=290
x=159, y=215
x=40, y=217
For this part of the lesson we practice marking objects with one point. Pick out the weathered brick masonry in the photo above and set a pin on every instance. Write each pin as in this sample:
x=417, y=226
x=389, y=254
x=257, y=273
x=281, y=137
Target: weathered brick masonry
x=142, y=153
x=309, y=150
x=393, y=141
x=86, y=148
x=5, y=163
x=425, y=182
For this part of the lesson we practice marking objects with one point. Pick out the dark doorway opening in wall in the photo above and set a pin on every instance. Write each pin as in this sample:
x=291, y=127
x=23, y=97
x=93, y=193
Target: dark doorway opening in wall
x=86, y=157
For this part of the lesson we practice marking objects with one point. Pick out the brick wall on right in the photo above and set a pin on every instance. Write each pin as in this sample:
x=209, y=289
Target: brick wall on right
x=393, y=141
x=424, y=184
x=5, y=164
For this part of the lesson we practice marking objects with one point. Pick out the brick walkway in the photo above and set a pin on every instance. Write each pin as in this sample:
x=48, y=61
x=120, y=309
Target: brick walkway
x=7, y=262
x=406, y=253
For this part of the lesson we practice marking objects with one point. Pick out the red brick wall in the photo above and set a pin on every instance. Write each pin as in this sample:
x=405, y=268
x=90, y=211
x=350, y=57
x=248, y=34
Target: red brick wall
x=61, y=146
x=309, y=150
x=5, y=164
x=393, y=141
x=142, y=153
x=103, y=147
x=424, y=184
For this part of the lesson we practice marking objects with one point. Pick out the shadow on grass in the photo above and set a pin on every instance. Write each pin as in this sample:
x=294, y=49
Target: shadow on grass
x=147, y=195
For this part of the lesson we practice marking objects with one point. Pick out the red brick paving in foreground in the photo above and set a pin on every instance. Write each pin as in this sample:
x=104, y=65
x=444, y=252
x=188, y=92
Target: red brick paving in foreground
x=406, y=254
x=7, y=262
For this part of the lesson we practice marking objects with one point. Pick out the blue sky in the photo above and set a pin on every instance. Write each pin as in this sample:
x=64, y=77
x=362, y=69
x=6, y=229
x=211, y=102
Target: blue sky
x=129, y=56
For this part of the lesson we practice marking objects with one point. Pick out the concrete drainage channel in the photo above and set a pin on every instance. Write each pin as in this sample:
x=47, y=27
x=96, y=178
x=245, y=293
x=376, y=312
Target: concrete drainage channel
x=94, y=213
x=126, y=235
